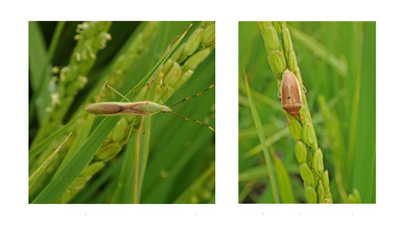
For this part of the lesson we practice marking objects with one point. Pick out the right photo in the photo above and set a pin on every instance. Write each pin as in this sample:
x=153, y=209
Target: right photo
x=307, y=112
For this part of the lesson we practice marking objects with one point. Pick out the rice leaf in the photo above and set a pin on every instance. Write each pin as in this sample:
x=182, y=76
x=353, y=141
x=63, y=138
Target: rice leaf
x=54, y=190
x=267, y=157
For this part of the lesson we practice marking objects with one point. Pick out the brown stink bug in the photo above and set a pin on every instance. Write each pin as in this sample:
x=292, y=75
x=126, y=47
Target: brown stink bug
x=290, y=93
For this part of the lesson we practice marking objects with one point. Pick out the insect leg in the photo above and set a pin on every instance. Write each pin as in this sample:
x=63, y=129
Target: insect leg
x=196, y=95
x=299, y=116
x=279, y=89
x=304, y=89
x=196, y=121
x=130, y=131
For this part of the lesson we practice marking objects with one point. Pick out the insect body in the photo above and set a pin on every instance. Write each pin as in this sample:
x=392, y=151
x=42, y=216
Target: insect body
x=290, y=93
x=145, y=108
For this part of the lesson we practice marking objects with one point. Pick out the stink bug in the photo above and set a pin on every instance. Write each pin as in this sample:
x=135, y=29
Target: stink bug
x=290, y=93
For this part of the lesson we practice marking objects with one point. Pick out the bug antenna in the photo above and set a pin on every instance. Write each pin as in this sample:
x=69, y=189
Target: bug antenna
x=196, y=121
x=196, y=95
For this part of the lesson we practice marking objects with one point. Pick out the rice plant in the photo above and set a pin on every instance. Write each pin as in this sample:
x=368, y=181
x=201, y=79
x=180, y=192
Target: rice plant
x=120, y=159
x=337, y=88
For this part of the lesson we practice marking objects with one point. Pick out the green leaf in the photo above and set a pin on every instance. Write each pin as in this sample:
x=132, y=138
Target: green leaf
x=131, y=176
x=37, y=54
x=192, y=191
x=40, y=147
x=54, y=190
x=364, y=171
x=41, y=97
x=36, y=174
x=285, y=185
x=267, y=157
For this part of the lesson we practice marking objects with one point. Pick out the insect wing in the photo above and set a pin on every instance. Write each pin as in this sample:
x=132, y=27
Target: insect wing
x=291, y=96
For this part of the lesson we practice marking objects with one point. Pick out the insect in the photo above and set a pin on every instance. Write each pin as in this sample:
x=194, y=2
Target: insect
x=290, y=93
x=143, y=108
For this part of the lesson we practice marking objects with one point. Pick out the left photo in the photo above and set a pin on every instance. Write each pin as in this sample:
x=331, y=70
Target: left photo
x=121, y=112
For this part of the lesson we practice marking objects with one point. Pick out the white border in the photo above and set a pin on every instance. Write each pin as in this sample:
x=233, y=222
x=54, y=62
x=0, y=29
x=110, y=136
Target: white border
x=14, y=68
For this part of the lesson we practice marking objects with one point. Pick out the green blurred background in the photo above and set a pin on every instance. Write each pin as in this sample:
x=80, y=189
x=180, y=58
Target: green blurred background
x=337, y=61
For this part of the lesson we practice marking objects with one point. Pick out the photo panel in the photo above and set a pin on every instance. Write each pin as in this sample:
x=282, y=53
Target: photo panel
x=121, y=112
x=307, y=112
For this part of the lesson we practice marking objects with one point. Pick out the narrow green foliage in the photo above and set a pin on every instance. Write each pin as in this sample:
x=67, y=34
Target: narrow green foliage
x=37, y=55
x=285, y=185
x=320, y=51
x=82, y=135
x=200, y=189
x=267, y=157
x=92, y=37
x=124, y=192
x=253, y=173
x=354, y=197
x=365, y=144
x=43, y=145
x=36, y=174
x=336, y=141
x=81, y=180
x=41, y=99
x=270, y=140
x=141, y=154
x=56, y=188
x=135, y=160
